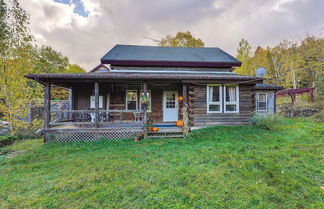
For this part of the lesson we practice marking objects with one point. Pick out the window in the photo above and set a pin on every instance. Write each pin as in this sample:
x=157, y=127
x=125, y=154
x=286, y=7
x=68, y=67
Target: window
x=93, y=101
x=231, y=104
x=214, y=101
x=148, y=101
x=222, y=99
x=131, y=100
x=262, y=102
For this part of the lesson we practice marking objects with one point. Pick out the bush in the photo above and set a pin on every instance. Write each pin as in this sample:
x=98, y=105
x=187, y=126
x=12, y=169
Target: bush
x=268, y=121
x=9, y=139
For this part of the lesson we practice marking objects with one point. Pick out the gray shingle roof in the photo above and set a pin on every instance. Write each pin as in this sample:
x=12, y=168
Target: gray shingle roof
x=168, y=56
x=264, y=86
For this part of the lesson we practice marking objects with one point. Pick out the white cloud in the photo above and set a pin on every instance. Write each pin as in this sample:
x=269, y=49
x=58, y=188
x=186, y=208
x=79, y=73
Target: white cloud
x=219, y=23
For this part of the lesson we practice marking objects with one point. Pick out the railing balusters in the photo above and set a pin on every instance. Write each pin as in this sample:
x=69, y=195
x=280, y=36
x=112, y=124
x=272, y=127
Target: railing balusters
x=79, y=117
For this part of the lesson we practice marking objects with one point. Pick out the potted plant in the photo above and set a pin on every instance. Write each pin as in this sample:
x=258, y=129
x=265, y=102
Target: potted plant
x=149, y=122
x=136, y=139
x=140, y=135
x=149, y=127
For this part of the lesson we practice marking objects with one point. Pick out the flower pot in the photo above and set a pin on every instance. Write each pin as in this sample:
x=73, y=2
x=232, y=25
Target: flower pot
x=149, y=128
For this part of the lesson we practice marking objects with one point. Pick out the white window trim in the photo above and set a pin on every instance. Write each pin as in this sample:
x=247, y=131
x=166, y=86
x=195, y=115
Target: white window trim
x=92, y=102
x=215, y=103
x=126, y=101
x=237, y=103
x=149, y=91
x=266, y=101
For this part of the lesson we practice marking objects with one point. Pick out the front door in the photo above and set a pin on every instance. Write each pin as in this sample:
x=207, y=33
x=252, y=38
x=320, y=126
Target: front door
x=170, y=106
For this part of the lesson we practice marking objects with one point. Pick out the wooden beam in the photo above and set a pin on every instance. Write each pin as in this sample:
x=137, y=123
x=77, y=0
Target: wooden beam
x=145, y=109
x=47, y=108
x=184, y=95
x=96, y=88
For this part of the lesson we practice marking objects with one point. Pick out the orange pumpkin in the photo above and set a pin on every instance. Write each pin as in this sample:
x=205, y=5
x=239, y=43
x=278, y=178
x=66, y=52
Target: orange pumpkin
x=179, y=123
x=155, y=129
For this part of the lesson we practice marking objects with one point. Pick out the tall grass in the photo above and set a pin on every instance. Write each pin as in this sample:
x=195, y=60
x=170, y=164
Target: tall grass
x=268, y=121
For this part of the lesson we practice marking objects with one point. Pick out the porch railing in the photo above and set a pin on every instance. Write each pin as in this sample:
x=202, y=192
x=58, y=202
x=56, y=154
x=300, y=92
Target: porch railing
x=87, y=117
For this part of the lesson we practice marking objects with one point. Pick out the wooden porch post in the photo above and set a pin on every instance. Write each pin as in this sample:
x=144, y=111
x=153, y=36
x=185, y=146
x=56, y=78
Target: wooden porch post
x=47, y=108
x=184, y=95
x=96, y=88
x=185, y=116
x=145, y=109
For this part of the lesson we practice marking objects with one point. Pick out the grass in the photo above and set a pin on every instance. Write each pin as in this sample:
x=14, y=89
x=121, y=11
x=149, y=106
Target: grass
x=219, y=167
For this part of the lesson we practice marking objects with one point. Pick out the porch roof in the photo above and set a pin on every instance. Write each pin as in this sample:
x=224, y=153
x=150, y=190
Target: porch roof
x=83, y=77
x=264, y=86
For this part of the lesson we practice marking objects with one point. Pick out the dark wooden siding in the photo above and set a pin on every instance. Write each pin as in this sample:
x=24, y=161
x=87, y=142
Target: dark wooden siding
x=198, y=105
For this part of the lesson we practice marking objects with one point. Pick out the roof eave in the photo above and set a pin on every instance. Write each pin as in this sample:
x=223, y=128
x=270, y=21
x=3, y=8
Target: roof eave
x=169, y=63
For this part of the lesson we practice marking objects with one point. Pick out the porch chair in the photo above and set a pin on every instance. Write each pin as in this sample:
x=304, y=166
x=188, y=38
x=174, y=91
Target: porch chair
x=139, y=116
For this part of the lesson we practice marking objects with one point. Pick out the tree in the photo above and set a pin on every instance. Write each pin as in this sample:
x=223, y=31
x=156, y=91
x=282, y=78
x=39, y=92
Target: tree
x=15, y=60
x=19, y=56
x=74, y=69
x=181, y=39
x=244, y=55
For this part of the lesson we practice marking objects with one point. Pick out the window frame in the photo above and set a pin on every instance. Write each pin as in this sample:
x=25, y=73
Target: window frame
x=220, y=103
x=266, y=101
x=126, y=100
x=237, y=102
x=93, y=102
x=140, y=101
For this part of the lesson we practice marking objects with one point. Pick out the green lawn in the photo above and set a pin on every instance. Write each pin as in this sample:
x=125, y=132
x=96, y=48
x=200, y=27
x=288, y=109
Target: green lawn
x=220, y=167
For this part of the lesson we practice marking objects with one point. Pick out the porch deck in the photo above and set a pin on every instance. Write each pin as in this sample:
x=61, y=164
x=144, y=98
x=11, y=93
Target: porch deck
x=112, y=130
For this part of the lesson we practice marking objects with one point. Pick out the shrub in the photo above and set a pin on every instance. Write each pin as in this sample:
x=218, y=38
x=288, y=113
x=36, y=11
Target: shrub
x=268, y=121
x=7, y=140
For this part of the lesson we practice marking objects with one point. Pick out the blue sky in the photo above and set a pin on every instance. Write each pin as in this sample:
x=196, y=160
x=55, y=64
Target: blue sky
x=79, y=7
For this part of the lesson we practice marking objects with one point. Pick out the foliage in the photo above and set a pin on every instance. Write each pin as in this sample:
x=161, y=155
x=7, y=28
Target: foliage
x=181, y=39
x=289, y=64
x=267, y=121
x=19, y=56
x=217, y=167
x=10, y=139
x=244, y=55
x=7, y=140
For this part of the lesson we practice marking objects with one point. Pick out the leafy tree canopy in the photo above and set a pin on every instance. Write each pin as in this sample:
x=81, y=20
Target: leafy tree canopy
x=181, y=39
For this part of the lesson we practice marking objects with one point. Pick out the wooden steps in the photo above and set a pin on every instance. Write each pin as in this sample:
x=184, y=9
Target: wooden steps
x=166, y=132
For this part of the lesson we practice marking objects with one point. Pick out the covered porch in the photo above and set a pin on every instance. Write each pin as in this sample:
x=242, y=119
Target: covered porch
x=114, y=109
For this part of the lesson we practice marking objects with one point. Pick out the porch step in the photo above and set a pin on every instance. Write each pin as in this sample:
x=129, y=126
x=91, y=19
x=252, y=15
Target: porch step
x=166, y=132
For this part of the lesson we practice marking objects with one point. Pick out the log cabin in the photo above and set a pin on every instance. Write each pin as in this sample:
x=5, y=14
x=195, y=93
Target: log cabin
x=136, y=87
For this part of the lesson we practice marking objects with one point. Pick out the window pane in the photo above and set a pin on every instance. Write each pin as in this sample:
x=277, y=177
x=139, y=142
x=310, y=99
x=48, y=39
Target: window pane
x=131, y=105
x=214, y=107
x=147, y=101
x=131, y=95
x=170, y=104
x=230, y=107
x=170, y=100
x=262, y=106
x=230, y=94
x=214, y=94
x=262, y=97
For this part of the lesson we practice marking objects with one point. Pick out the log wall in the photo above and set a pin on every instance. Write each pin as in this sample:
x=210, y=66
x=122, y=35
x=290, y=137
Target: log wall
x=200, y=117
